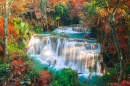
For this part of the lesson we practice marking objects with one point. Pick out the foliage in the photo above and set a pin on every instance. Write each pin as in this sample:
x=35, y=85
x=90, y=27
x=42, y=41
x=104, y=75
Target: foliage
x=11, y=31
x=44, y=77
x=67, y=77
x=19, y=71
x=127, y=71
x=13, y=49
x=57, y=18
x=66, y=12
x=111, y=76
x=123, y=83
x=4, y=72
x=1, y=60
x=55, y=83
x=61, y=12
x=101, y=11
x=94, y=80
x=107, y=78
x=22, y=30
x=38, y=30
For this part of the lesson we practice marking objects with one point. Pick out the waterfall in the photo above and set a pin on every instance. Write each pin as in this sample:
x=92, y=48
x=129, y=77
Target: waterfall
x=60, y=52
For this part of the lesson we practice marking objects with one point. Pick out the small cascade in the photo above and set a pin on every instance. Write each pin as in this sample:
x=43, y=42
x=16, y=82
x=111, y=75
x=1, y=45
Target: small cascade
x=60, y=52
x=34, y=46
x=68, y=29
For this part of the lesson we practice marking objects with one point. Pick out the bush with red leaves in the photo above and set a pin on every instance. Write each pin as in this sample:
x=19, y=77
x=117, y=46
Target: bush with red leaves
x=123, y=83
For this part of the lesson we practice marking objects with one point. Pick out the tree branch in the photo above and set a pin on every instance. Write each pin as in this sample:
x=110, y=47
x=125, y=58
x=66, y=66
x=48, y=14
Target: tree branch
x=125, y=10
x=105, y=6
x=115, y=9
x=92, y=70
x=11, y=3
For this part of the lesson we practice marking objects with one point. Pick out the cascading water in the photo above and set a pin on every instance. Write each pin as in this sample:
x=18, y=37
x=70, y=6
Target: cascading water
x=60, y=52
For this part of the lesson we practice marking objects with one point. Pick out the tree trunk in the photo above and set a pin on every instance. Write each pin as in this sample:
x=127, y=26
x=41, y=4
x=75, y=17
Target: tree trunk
x=122, y=69
x=47, y=27
x=58, y=23
x=5, y=33
x=31, y=16
x=119, y=51
x=5, y=39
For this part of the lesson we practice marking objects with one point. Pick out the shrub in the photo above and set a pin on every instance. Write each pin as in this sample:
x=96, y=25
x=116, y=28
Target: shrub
x=44, y=77
x=4, y=73
x=127, y=72
x=66, y=77
x=111, y=76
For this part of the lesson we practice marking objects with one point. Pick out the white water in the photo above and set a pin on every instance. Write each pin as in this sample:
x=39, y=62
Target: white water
x=61, y=53
x=68, y=29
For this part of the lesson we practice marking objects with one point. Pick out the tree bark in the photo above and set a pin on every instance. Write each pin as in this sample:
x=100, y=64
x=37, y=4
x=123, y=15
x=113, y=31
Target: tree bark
x=119, y=51
x=58, y=23
x=5, y=32
x=47, y=27
x=122, y=69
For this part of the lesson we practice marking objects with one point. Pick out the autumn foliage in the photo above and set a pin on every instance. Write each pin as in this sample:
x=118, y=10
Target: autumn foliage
x=17, y=68
x=12, y=33
x=44, y=77
x=123, y=83
x=108, y=43
x=2, y=27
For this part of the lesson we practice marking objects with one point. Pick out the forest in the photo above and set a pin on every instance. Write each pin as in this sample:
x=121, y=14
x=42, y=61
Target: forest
x=64, y=43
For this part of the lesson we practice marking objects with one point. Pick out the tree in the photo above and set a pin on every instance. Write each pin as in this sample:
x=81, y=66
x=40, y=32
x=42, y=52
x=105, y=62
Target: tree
x=108, y=13
x=112, y=24
x=43, y=6
x=5, y=29
x=10, y=7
